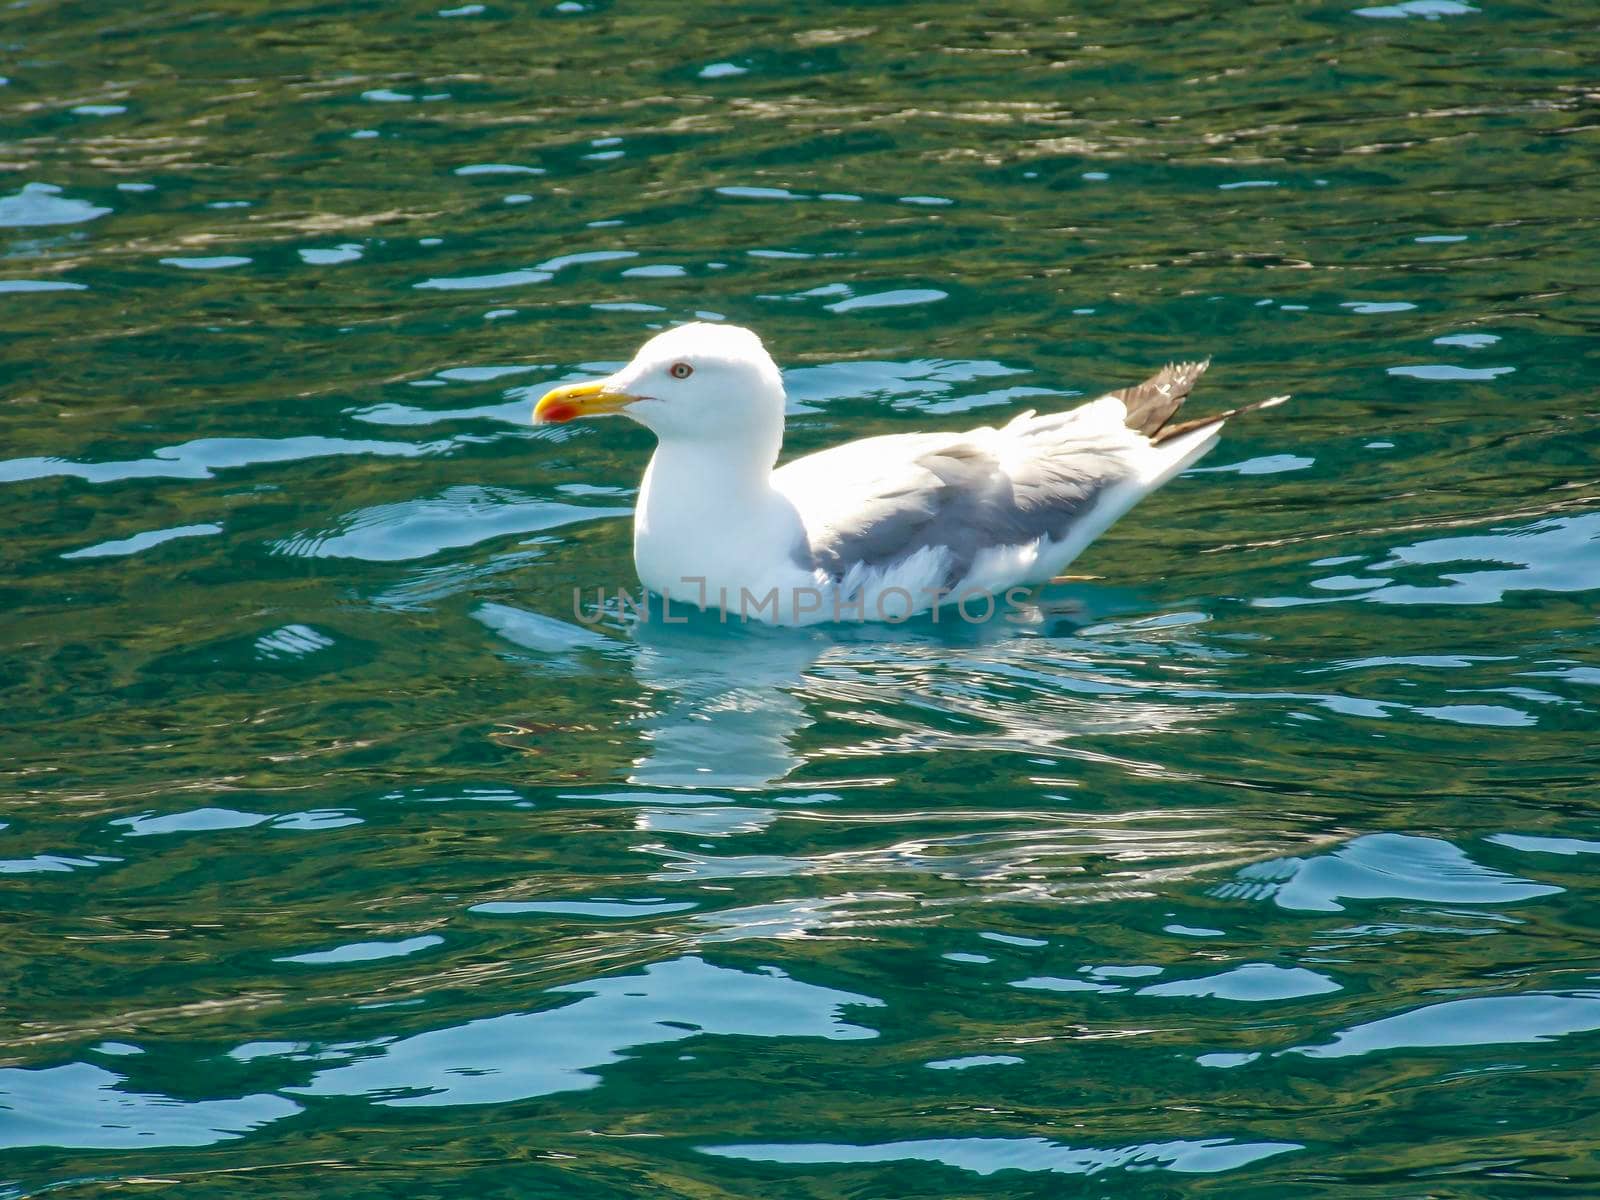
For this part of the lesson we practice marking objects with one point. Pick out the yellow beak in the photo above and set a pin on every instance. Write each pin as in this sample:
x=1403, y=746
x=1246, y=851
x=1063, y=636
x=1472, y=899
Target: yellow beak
x=579, y=400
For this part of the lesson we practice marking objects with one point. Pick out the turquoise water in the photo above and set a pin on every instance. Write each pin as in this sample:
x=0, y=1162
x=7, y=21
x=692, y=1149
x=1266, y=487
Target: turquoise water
x=342, y=859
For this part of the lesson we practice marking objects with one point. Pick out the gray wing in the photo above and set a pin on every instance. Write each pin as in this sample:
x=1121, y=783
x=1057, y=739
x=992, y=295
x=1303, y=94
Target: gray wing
x=876, y=502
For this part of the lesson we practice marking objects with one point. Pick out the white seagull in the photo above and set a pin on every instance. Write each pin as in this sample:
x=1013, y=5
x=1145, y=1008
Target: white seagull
x=880, y=528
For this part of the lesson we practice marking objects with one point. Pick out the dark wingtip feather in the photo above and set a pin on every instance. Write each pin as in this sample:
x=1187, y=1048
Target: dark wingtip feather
x=1172, y=431
x=1152, y=403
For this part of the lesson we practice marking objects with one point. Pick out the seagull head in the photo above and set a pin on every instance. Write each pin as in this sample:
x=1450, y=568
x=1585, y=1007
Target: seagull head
x=701, y=382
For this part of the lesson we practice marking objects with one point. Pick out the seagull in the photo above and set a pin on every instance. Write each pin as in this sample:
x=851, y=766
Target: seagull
x=878, y=529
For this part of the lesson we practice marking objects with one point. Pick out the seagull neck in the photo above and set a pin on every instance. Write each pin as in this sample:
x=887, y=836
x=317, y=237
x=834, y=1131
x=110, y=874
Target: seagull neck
x=707, y=512
x=717, y=474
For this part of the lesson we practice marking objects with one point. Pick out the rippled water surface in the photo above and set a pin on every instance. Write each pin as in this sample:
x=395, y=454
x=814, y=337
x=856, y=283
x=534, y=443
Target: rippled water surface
x=341, y=858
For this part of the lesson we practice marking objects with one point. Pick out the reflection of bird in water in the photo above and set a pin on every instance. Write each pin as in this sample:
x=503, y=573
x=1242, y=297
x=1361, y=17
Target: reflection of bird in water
x=728, y=711
x=880, y=528
x=739, y=713
x=723, y=712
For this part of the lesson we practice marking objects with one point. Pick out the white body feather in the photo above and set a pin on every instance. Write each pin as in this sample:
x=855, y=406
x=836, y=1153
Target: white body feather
x=721, y=541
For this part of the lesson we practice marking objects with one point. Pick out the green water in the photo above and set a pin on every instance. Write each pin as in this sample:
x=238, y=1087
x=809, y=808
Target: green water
x=341, y=860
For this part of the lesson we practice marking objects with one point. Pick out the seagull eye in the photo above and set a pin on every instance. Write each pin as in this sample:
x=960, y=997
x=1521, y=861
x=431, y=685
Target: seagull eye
x=680, y=370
